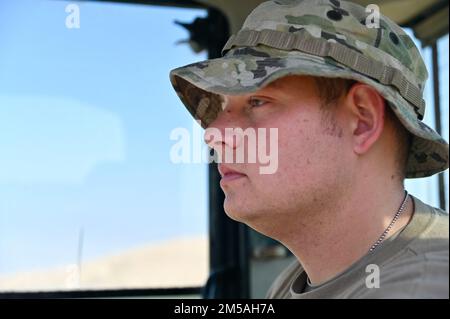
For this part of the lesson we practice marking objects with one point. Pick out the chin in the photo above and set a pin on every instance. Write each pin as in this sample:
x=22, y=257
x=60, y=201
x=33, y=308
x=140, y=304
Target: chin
x=256, y=219
x=241, y=213
x=233, y=211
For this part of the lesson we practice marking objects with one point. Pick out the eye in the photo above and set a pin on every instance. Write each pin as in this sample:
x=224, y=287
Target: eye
x=256, y=102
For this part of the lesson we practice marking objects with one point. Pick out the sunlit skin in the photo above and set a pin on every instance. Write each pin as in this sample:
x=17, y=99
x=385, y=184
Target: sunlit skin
x=335, y=190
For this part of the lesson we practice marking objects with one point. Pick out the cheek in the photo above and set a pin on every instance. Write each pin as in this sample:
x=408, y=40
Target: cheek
x=307, y=155
x=296, y=148
x=297, y=143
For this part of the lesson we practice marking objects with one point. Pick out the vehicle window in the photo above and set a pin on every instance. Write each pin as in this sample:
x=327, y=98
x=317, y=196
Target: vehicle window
x=89, y=196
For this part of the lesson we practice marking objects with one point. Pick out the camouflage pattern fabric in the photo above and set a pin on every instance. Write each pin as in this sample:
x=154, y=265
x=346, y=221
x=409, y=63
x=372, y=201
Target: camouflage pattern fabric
x=245, y=69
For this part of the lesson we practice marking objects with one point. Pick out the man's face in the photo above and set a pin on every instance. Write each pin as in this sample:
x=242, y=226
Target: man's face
x=311, y=153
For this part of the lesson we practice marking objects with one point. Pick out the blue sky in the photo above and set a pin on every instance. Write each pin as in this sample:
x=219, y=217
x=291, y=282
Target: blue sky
x=85, y=118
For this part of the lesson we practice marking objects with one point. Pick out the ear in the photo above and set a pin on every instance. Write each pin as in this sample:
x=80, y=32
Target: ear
x=367, y=116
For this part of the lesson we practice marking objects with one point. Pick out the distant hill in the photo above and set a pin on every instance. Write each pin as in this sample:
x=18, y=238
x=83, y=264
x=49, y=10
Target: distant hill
x=175, y=263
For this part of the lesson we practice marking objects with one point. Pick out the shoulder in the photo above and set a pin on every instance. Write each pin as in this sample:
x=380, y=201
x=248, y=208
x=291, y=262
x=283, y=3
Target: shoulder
x=413, y=276
x=420, y=269
x=433, y=235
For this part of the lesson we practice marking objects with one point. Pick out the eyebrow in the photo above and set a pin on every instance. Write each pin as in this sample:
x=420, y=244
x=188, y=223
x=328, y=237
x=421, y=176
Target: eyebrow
x=275, y=85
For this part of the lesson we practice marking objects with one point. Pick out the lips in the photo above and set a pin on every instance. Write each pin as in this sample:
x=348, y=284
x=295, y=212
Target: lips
x=229, y=174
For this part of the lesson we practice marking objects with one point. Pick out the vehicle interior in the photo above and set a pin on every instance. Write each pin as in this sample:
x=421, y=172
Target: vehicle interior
x=230, y=260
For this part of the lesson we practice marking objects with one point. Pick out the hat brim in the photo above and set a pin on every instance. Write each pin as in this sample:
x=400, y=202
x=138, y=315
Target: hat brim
x=201, y=85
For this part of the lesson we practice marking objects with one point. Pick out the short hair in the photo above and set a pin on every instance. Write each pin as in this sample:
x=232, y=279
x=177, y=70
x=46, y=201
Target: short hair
x=332, y=89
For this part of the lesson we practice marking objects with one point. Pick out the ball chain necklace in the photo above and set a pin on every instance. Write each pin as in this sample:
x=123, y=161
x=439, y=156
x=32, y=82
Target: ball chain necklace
x=396, y=217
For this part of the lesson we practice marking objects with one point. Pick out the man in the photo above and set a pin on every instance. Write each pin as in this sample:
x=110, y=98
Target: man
x=346, y=99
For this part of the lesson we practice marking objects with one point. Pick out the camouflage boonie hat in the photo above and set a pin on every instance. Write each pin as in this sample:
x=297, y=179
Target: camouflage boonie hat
x=327, y=38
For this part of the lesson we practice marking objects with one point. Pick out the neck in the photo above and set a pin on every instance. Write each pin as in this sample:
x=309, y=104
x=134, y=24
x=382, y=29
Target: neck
x=331, y=240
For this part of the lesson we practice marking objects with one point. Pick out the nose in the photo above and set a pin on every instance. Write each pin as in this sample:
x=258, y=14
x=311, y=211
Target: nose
x=217, y=134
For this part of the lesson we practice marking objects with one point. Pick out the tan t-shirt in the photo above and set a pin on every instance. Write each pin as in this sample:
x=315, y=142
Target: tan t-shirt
x=412, y=264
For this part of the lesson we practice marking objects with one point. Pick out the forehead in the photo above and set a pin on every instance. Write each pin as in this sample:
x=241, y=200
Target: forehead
x=291, y=84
